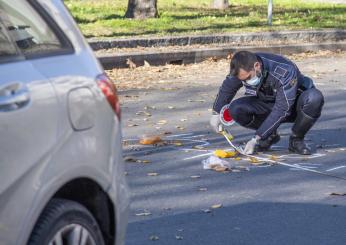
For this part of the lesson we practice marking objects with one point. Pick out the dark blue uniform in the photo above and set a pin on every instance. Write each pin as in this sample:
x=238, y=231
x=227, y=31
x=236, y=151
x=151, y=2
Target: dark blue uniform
x=282, y=91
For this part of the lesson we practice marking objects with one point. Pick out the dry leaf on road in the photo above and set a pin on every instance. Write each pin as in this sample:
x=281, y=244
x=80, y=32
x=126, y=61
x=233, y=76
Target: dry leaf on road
x=147, y=140
x=152, y=174
x=161, y=122
x=216, y=206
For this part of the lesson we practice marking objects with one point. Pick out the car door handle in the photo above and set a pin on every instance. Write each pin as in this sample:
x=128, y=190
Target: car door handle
x=13, y=96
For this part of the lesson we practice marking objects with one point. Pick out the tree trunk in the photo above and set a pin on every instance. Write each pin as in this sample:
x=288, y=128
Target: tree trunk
x=220, y=4
x=141, y=9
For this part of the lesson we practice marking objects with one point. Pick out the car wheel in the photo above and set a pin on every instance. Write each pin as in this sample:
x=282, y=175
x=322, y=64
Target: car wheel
x=65, y=222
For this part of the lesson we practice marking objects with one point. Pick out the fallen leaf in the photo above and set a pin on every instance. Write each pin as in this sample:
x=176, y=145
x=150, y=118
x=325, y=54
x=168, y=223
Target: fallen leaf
x=196, y=101
x=131, y=64
x=216, y=206
x=177, y=143
x=179, y=127
x=143, y=161
x=167, y=132
x=149, y=107
x=132, y=125
x=152, y=174
x=162, y=122
x=154, y=238
x=221, y=169
x=130, y=159
x=225, y=154
x=237, y=158
x=273, y=158
x=254, y=161
x=143, y=113
x=150, y=140
x=337, y=194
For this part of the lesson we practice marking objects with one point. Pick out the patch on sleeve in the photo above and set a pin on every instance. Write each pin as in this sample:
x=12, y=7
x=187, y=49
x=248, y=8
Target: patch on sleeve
x=280, y=71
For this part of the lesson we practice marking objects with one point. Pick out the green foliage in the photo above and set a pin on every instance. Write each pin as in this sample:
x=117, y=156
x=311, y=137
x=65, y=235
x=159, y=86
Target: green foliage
x=104, y=18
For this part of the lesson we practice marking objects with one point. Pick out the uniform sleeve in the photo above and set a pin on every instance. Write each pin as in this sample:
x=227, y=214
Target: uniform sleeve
x=227, y=91
x=284, y=101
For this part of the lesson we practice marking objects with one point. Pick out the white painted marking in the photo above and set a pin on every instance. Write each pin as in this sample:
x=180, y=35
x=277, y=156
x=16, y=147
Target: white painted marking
x=178, y=135
x=335, y=168
x=198, y=156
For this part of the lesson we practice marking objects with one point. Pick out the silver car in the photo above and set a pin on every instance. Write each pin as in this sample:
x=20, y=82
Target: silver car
x=61, y=169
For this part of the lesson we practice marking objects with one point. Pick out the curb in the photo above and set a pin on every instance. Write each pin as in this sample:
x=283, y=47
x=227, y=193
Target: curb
x=199, y=55
x=314, y=36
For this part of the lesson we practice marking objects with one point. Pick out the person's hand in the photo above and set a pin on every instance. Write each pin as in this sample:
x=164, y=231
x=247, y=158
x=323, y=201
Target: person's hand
x=250, y=146
x=215, y=123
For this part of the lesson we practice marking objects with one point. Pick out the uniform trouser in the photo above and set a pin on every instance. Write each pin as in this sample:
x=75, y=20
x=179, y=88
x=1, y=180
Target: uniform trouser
x=250, y=111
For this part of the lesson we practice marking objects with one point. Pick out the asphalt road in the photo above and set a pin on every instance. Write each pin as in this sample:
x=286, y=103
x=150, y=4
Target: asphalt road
x=260, y=204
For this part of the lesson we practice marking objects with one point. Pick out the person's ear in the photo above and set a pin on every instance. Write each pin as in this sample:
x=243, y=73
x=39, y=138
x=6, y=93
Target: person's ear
x=257, y=65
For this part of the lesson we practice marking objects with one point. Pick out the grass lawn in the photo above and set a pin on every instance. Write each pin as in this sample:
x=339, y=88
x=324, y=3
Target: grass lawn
x=104, y=18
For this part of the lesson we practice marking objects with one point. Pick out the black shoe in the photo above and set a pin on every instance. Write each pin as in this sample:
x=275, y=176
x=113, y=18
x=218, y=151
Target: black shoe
x=298, y=145
x=264, y=145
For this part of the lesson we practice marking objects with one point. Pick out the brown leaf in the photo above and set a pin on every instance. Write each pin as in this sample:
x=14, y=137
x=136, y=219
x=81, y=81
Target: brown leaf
x=273, y=158
x=221, y=169
x=150, y=140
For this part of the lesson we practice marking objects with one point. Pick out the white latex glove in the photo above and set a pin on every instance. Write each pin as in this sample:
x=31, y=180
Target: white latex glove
x=215, y=123
x=250, y=146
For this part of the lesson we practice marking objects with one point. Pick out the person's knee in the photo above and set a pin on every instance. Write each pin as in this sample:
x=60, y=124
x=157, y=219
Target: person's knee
x=236, y=109
x=314, y=103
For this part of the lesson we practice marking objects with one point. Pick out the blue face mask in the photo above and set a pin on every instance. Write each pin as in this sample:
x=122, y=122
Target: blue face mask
x=255, y=80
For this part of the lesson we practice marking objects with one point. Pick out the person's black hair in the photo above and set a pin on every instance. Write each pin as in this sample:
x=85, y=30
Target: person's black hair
x=242, y=60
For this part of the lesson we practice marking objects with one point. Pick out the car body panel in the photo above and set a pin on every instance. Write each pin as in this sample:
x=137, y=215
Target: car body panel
x=66, y=138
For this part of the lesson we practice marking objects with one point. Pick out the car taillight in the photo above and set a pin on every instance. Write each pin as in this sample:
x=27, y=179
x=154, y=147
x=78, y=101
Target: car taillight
x=109, y=90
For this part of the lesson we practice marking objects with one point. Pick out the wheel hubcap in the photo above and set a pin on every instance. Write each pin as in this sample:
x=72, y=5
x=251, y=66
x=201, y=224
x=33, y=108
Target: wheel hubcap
x=73, y=234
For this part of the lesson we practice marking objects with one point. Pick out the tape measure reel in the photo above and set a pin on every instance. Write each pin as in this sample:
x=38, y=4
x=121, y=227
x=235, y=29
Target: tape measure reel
x=226, y=117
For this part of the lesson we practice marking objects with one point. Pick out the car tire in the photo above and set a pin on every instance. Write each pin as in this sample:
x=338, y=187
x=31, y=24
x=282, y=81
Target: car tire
x=67, y=222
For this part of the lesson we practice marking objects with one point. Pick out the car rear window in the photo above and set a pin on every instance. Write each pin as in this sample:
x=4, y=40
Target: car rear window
x=32, y=31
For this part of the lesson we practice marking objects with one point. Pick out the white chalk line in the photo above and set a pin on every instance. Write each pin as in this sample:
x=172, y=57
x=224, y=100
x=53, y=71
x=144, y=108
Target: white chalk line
x=332, y=169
